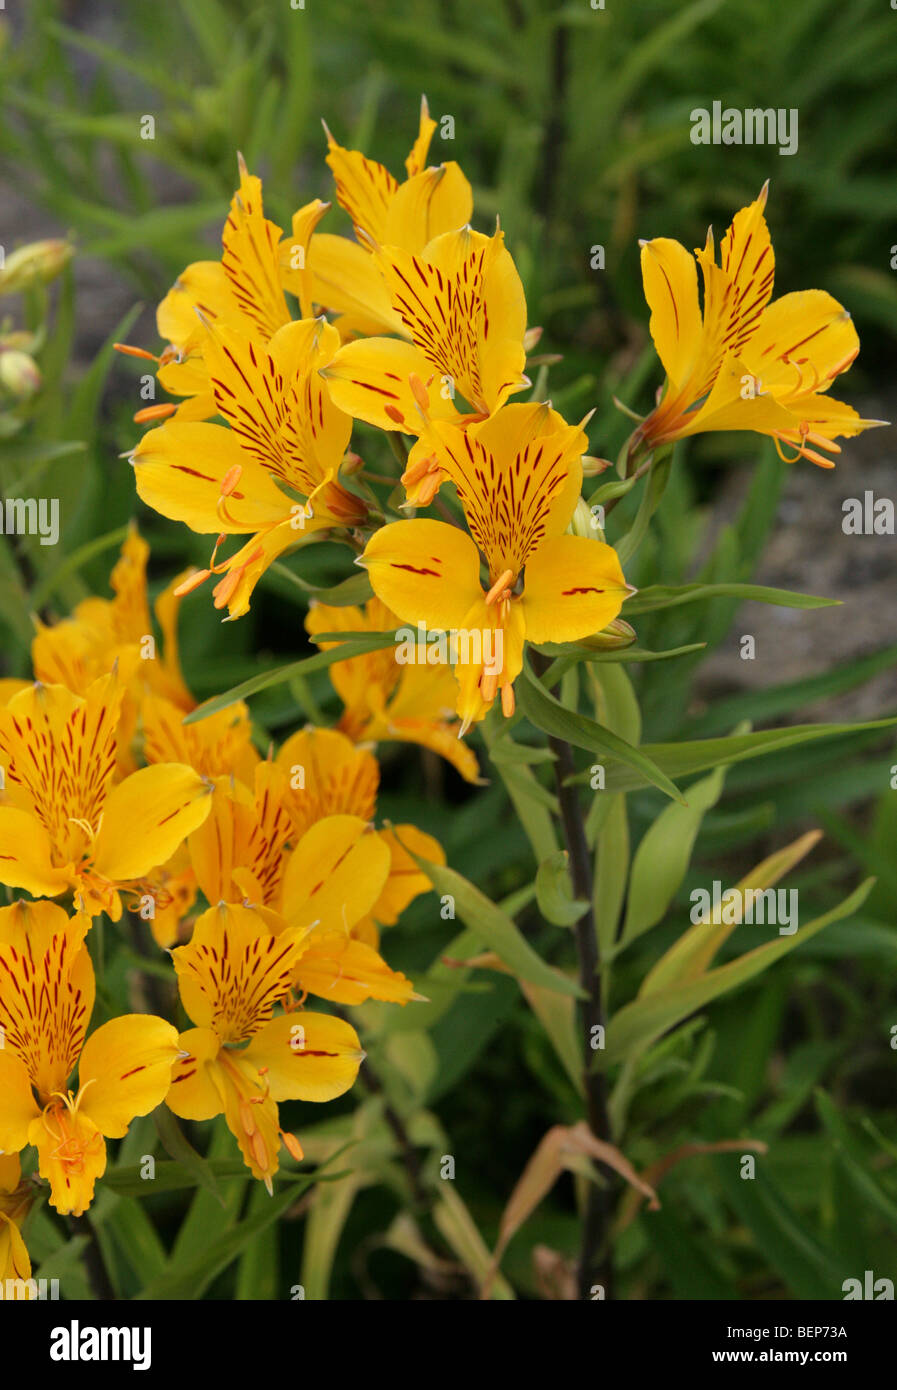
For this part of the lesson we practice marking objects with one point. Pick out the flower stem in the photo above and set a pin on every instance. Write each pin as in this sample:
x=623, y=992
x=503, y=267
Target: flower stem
x=595, y=1257
x=97, y=1276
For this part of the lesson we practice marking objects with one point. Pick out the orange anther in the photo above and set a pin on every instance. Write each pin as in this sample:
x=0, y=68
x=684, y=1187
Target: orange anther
x=154, y=412
x=230, y=479
x=498, y=588
x=130, y=351
x=508, y=702
x=191, y=583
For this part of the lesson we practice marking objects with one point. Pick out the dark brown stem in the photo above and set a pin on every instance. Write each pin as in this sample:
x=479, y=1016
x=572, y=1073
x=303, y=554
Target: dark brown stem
x=409, y=1153
x=595, y=1263
x=97, y=1277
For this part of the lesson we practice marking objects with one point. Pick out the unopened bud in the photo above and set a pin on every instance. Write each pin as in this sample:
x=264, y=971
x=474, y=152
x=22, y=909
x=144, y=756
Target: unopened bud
x=40, y=261
x=18, y=374
x=591, y=466
x=531, y=338
x=616, y=635
x=583, y=522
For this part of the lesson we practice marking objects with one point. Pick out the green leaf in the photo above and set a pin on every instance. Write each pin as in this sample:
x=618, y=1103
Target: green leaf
x=632, y=655
x=859, y=1176
x=611, y=873
x=673, y=596
x=349, y=592
x=494, y=927
x=639, y=1023
x=549, y=715
x=663, y=856
x=809, y=1269
x=554, y=891
x=344, y=651
x=190, y=1279
x=178, y=1147
x=697, y=755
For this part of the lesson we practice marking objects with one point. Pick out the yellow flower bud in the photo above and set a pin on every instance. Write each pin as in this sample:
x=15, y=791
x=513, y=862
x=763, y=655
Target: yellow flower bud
x=39, y=261
x=19, y=374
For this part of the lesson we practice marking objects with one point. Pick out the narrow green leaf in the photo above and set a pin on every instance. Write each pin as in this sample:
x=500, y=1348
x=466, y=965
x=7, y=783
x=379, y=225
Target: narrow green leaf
x=494, y=927
x=344, y=651
x=549, y=715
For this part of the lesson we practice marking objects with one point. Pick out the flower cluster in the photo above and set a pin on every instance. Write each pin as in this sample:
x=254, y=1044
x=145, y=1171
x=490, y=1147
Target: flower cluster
x=263, y=872
x=264, y=876
x=418, y=327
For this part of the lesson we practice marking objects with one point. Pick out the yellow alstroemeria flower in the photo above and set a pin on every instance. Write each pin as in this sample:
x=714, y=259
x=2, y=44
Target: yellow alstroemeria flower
x=244, y=291
x=745, y=363
x=463, y=307
x=388, y=702
x=16, y=1198
x=105, y=633
x=343, y=277
x=64, y=822
x=284, y=432
x=251, y=850
x=124, y=1067
x=518, y=476
x=241, y=1060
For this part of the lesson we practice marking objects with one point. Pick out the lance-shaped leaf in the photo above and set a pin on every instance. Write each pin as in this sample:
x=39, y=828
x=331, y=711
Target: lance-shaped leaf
x=698, y=755
x=494, y=927
x=637, y=1024
x=358, y=646
x=663, y=856
x=549, y=715
x=694, y=950
x=656, y=596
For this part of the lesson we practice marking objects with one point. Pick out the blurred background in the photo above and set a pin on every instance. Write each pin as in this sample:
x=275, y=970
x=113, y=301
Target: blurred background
x=573, y=124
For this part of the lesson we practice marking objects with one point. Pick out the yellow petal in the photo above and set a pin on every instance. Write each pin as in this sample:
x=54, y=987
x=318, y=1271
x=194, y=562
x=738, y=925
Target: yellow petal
x=334, y=875
x=196, y=1087
x=202, y=285
x=251, y=258
x=17, y=1104
x=670, y=280
x=735, y=292
x=125, y=1070
x=462, y=303
x=146, y=817
x=417, y=156
x=362, y=682
x=801, y=343
x=370, y=379
x=518, y=475
x=293, y=252
x=406, y=881
x=307, y=1056
x=72, y=1155
x=327, y=776
x=180, y=469
x=234, y=969
x=26, y=855
x=14, y=1259
x=425, y=571
x=364, y=188
x=347, y=971
x=345, y=280
x=431, y=202
x=574, y=586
